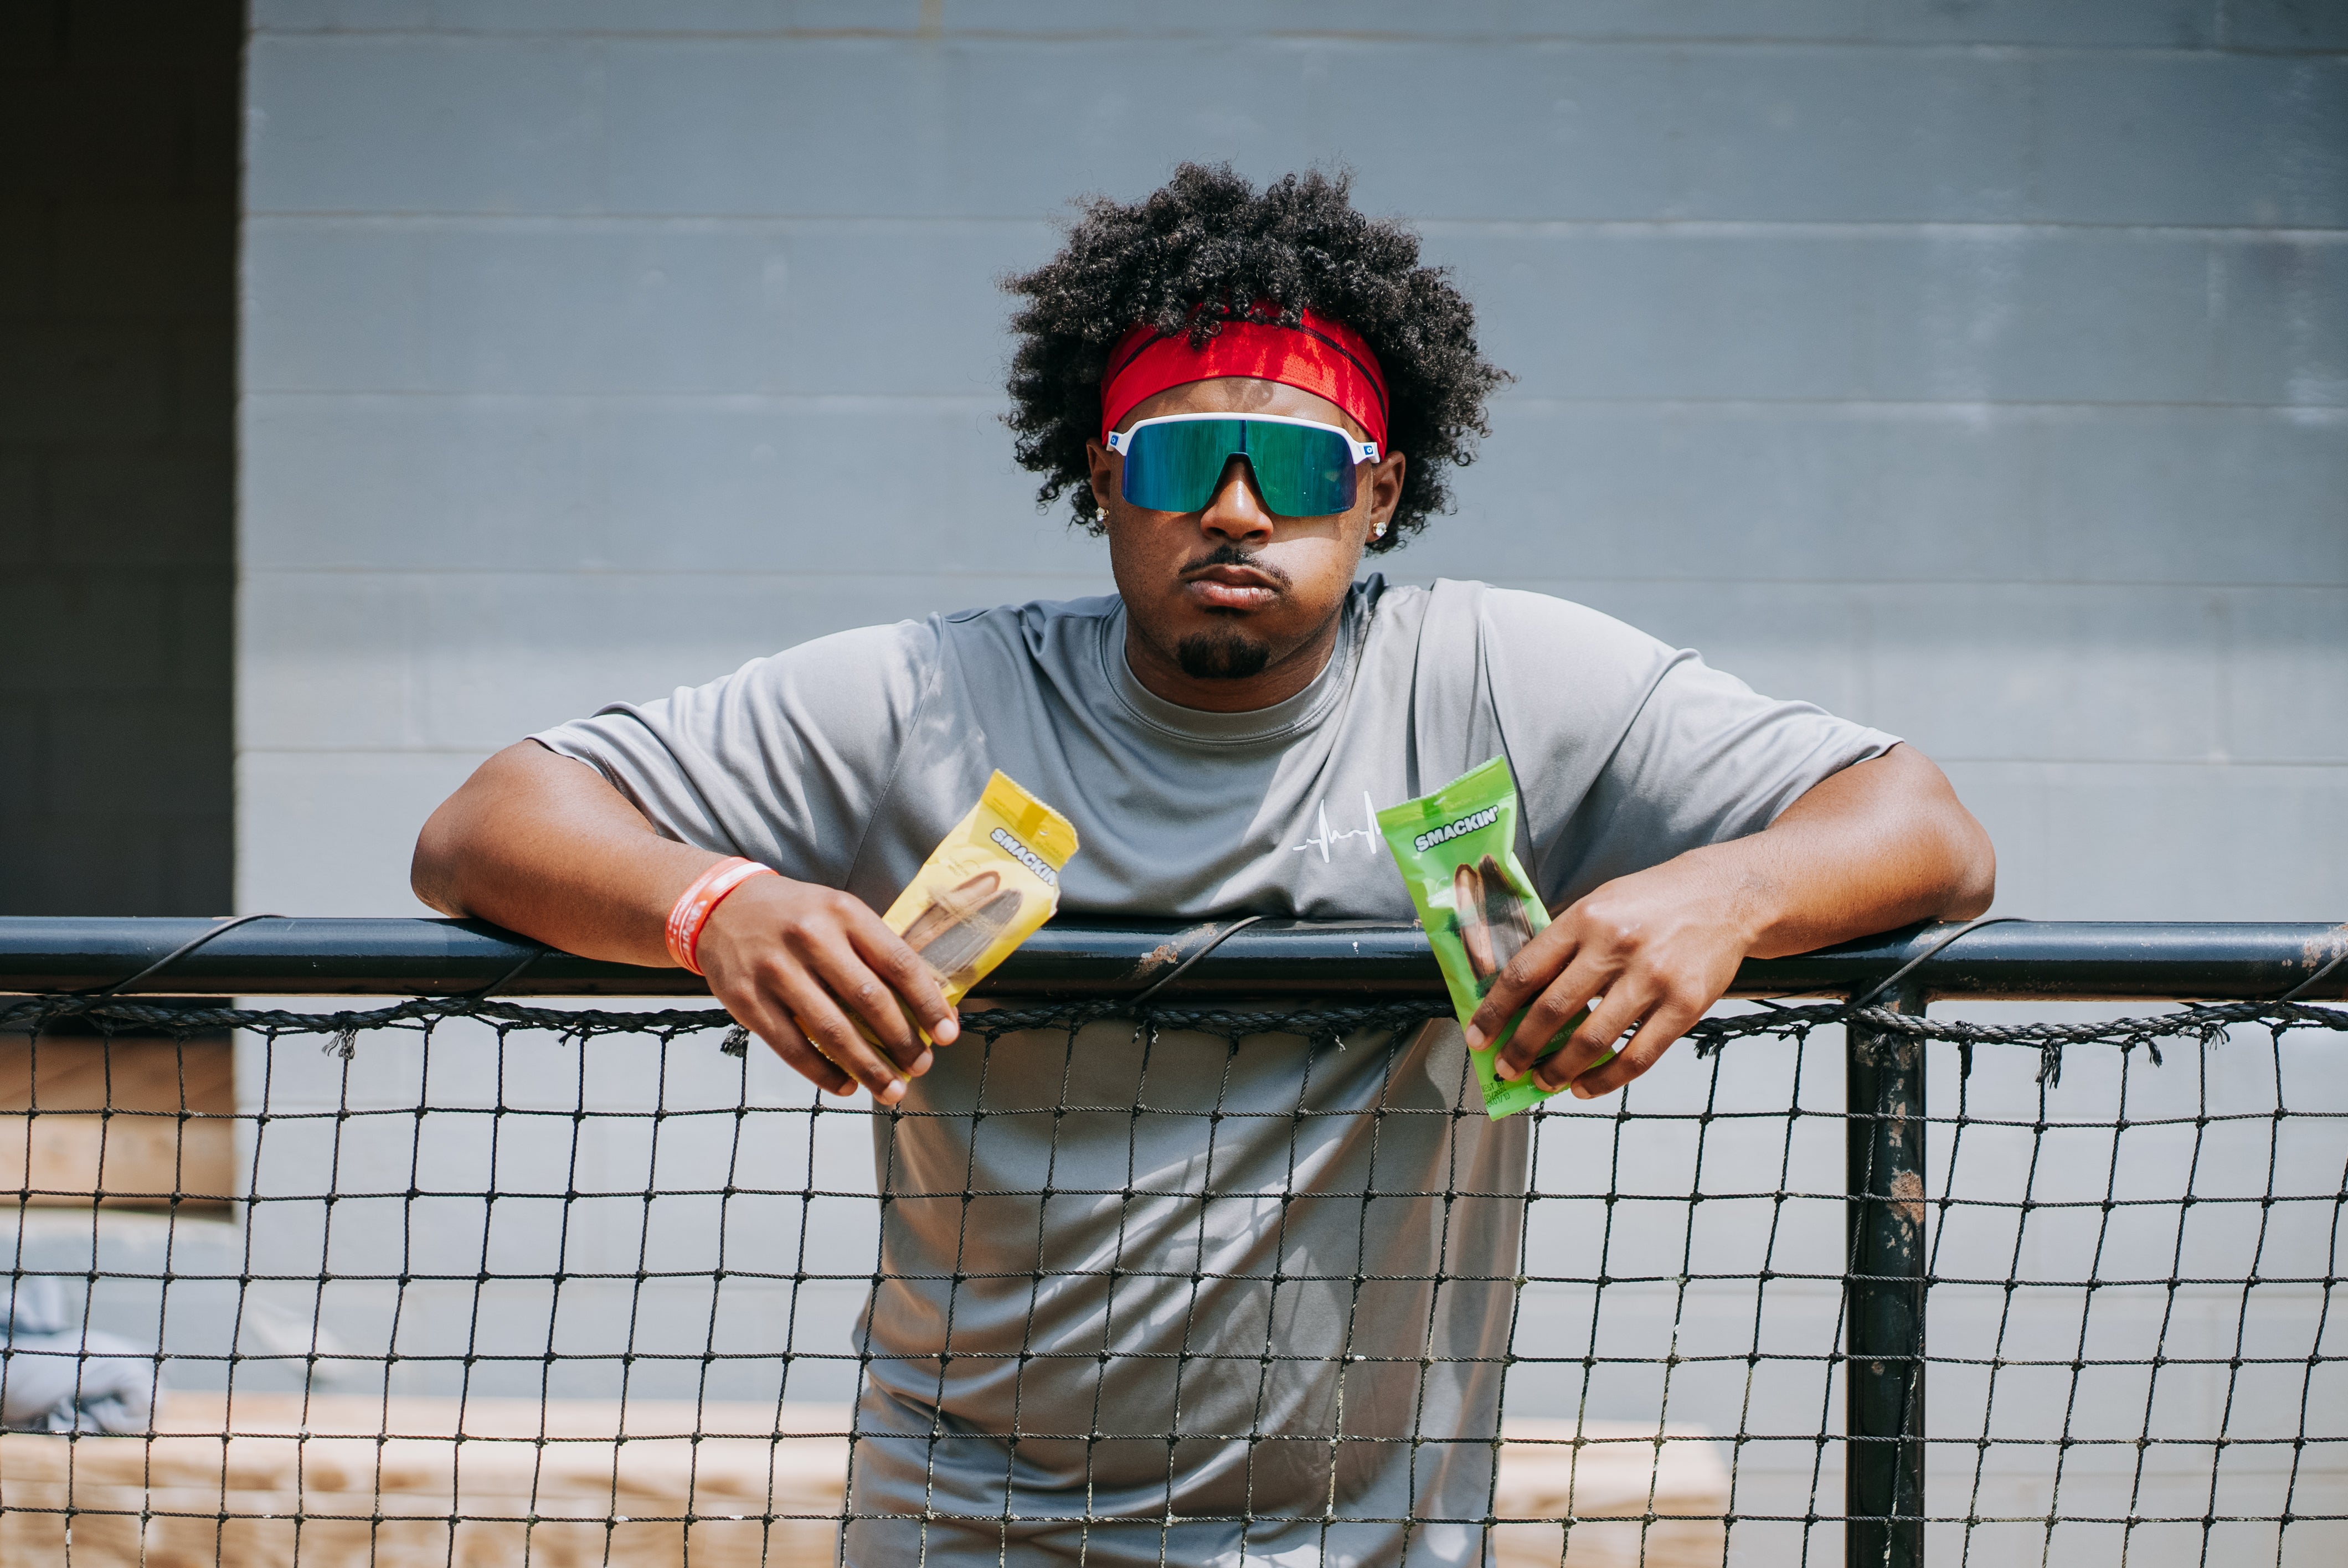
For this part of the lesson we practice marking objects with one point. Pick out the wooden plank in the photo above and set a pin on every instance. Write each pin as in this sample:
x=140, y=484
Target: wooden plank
x=78, y=1072
x=71, y=1159
x=359, y=1480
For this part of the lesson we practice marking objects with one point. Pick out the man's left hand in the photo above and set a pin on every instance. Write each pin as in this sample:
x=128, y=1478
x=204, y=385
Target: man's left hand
x=1655, y=949
x=1879, y=845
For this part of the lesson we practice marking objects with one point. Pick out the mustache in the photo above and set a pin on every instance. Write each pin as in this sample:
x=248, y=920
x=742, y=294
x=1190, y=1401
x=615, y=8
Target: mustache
x=1229, y=554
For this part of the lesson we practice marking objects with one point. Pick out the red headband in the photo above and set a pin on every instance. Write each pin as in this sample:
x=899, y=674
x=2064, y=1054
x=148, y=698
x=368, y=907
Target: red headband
x=1323, y=357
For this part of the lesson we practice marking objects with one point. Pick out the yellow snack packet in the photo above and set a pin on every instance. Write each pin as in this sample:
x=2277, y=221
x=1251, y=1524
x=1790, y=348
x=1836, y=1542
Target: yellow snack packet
x=986, y=888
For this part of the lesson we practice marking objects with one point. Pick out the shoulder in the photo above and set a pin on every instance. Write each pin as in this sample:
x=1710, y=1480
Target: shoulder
x=891, y=663
x=1514, y=626
x=1521, y=618
x=891, y=668
x=864, y=645
x=1020, y=642
x=950, y=633
x=1037, y=617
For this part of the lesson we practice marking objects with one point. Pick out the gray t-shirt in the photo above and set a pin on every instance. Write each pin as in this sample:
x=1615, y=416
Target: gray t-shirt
x=1254, y=1288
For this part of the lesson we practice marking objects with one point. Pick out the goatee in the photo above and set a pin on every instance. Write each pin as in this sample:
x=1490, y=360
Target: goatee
x=1221, y=656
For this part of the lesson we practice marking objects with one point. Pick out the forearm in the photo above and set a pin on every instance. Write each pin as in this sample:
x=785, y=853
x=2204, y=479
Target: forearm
x=1880, y=844
x=544, y=845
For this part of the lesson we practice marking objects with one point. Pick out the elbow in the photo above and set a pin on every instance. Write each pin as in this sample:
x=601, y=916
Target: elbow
x=432, y=870
x=1973, y=866
x=1954, y=861
x=1978, y=890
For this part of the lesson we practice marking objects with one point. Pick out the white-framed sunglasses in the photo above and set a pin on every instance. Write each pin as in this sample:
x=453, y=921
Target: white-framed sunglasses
x=1302, y=467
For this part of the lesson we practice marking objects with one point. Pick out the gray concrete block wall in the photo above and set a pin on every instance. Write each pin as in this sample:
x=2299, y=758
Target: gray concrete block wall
x=117, y=240
x=1978, y=372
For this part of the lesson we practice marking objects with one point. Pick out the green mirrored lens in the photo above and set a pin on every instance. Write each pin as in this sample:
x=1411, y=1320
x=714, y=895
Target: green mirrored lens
x=1174, y=467
x=1300, y=470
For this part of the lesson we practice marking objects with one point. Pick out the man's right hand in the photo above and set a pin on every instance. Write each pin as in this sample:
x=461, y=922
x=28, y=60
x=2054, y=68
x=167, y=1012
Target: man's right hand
x=796, y=964
x=544, y=845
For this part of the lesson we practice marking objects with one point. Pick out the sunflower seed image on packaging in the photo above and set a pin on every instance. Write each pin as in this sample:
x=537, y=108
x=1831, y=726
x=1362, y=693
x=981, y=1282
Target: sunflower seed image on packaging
x=986, y=888
x=961, y=924
x=1457, y=849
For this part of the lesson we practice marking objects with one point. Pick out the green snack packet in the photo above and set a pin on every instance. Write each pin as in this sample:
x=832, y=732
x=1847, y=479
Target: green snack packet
x=1458, y=851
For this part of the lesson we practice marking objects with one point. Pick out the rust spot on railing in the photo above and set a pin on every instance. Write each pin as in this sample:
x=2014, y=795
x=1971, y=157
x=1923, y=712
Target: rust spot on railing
x=1908, y=1199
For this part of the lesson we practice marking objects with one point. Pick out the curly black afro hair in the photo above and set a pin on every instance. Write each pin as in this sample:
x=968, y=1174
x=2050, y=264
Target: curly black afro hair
x=1208, y=246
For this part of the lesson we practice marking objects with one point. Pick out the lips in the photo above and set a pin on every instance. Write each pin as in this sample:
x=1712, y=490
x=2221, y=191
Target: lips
x=1231, y=588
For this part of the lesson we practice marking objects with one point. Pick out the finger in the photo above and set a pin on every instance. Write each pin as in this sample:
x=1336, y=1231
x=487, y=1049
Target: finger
x=784, y=1038
x=841, y=972
x=1556, y=1007
x=885, y=952
x=819, y=1017
x=1629, y=999
x=1539, y=962
x=1657, y=1033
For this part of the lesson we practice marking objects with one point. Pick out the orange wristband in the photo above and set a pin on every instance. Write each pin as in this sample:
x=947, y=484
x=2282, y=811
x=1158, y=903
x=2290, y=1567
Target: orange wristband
x=694, y=904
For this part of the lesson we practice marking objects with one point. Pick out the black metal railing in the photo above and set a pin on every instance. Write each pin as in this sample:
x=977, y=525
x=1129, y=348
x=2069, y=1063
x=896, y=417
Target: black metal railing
x=2024, y=960
x=85, y=984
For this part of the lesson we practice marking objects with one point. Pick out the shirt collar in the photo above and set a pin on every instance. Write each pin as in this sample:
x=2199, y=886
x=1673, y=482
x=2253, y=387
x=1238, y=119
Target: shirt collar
x=1253, y=726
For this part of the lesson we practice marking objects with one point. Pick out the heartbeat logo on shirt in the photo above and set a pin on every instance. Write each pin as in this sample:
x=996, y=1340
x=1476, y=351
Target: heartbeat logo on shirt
x=1326, y=835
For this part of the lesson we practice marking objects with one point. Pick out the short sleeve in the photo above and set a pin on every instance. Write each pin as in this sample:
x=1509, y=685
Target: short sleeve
x=1628, y=752
x=784, y=762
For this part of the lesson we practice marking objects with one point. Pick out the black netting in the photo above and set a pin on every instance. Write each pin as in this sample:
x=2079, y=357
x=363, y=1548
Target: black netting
x=474, y=1281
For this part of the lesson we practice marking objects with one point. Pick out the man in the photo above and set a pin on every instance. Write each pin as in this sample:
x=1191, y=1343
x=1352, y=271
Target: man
x=1163, y=1300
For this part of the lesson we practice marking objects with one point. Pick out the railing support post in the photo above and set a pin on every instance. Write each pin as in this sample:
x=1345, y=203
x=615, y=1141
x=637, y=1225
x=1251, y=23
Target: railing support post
x=1883, y=1296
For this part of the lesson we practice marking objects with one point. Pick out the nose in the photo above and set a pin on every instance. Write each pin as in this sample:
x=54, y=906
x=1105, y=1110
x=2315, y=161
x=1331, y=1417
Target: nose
x=1236, y=512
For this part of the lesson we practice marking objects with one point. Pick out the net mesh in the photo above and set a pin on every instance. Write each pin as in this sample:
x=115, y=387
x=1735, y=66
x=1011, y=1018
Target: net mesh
x=458, y=1281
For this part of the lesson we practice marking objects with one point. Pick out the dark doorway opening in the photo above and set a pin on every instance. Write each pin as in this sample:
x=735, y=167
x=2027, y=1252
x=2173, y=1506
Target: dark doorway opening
x=119, y=158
